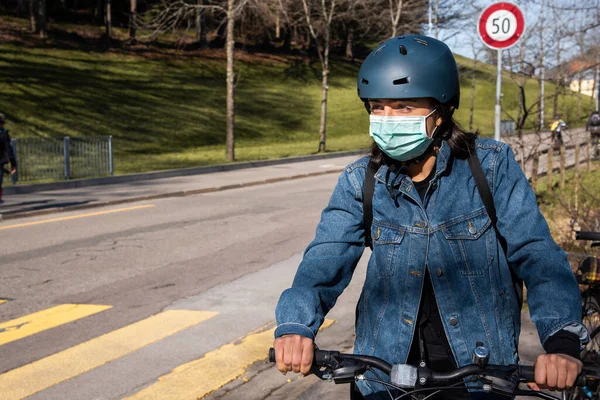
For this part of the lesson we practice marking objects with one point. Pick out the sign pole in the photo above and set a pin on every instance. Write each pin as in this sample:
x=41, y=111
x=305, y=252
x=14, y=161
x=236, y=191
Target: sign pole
x=500, y=26
x=498, y=112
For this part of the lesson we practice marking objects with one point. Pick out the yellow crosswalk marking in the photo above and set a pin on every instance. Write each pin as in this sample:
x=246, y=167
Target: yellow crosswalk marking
x=32, y=378
x=46, y=319
x=197, y=378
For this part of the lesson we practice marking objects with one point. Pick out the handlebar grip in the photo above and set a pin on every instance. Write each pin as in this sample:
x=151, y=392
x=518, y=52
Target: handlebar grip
x=272, y=355
x=582, y=235
x=527, y=373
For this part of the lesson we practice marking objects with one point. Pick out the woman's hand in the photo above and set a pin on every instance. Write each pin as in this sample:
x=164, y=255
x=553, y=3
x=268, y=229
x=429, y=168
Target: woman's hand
x=555, y=372
x=294, y=353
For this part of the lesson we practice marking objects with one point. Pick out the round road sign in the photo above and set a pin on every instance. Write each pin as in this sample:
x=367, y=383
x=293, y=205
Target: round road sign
x=501, y=25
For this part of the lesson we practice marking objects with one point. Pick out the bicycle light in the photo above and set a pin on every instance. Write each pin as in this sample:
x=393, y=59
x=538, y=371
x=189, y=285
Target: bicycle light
x=404, y=375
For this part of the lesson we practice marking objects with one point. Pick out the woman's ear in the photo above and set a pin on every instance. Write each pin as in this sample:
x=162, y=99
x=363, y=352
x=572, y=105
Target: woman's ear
x=438, y=120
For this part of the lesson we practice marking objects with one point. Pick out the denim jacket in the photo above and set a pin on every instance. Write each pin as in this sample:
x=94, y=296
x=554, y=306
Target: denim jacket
x=451, y=233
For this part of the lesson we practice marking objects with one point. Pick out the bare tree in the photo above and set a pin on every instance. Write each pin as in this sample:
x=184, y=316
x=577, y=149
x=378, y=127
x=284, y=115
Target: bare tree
x=177, y=13
x=32, y=19
x=476, y=54
x=132, y=18
x=41, y=19
x=108, y=19
x=318, y=20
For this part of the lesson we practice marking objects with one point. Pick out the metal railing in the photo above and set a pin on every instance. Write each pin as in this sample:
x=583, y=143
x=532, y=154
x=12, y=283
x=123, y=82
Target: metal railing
x=68, y=158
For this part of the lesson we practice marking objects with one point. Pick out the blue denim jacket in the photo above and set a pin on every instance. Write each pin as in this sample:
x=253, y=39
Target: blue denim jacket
x=451, y=233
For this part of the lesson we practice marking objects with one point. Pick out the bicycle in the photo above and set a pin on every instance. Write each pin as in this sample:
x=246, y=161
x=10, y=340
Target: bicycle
x=498, y=379
x=588, y=274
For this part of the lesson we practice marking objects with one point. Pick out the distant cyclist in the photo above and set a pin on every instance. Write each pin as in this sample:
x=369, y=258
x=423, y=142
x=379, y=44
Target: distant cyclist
x=442, y=272
x=593, y=124
x=556, y=126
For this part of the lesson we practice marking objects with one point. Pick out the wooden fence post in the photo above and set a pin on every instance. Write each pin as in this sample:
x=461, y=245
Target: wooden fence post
x=534, y=171
x=550, y=168
x=589, y=155
x=563, y=166
x=577, y=159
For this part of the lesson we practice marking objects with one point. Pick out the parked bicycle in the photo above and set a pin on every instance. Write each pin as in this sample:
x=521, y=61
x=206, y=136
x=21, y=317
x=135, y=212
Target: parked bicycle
x=420, y=383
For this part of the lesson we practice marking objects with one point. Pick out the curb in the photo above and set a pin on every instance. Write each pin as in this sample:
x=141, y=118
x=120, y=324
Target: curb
x=183, y=193
x=79, y=183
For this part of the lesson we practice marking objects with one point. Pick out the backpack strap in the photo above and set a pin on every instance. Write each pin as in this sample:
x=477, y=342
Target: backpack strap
x=483, y=187
x=488, y=202
x=368, y=190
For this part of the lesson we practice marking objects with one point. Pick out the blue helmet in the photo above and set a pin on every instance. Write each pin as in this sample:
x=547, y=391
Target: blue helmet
x=409, y=67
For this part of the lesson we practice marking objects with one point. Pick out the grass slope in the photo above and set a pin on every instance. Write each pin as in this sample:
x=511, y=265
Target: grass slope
x=167, y=110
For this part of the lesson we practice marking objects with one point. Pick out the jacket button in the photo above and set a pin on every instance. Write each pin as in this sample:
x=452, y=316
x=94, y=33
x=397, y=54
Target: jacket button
x=472, y=229
x=453, y=321
x=438, y=272
x=377, y=234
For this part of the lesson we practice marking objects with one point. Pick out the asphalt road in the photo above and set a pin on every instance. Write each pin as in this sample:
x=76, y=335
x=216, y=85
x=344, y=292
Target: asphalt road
x=172, y=298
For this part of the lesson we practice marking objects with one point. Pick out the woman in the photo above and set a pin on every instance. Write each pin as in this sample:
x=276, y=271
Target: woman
x=439, y=279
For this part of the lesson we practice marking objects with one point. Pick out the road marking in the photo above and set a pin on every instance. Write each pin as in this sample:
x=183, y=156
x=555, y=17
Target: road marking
x=3, y=301
x=37, y=376
x=46, y=319
x=47, y=221
x=198, y=378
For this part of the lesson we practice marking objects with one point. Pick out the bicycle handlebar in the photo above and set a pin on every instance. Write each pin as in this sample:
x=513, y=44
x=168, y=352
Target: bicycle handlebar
x=582, y=235
x=345, y=368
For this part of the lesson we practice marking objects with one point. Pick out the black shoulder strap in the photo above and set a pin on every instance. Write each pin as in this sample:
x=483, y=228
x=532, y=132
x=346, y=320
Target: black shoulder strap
x=482, y=186
x=488, y=201
x=368, y=190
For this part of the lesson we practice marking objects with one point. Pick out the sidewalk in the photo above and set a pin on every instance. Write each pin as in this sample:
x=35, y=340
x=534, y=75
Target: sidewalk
x=49, y=201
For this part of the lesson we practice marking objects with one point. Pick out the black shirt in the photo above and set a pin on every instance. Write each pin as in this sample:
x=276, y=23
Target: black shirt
x=436, y=351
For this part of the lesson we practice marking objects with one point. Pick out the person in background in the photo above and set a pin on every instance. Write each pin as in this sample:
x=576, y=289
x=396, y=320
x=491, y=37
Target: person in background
x=593, y=124
x=6, y=153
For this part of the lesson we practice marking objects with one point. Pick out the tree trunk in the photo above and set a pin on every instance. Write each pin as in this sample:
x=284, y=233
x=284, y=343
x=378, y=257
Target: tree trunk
x=132, y=21
x=579, y=95
x=99, y=12
x=22, y=8
x=277, y=26
x=201, y=25
x=42, y=28
x=472, y=107
x=558, y=83
x=437, y=8
x=108, y=19
x=32, y=22
x=541, y=81
x=350, y=44
x=595, y=87
x=230, y=140
x=325, y=88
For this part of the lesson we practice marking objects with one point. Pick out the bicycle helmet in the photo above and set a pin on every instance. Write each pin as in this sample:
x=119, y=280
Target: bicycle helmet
x=409, y=67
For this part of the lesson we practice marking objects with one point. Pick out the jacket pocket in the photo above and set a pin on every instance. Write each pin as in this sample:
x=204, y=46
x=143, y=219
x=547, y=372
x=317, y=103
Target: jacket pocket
x=386, y=248
x=470, y=239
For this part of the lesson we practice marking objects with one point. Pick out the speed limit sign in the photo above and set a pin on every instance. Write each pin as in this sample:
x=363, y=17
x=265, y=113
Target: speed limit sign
x=501, y=25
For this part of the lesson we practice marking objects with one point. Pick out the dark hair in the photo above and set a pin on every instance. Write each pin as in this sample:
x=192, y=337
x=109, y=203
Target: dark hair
x=461, y=142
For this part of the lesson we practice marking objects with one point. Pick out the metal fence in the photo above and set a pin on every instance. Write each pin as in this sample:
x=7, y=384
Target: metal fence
x=68, y=158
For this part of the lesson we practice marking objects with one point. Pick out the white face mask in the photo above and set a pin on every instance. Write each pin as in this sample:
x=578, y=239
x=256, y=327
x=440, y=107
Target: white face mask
x=401, y=138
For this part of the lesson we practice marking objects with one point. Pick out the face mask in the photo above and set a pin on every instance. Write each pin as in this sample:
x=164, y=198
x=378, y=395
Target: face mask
x=401, y=138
